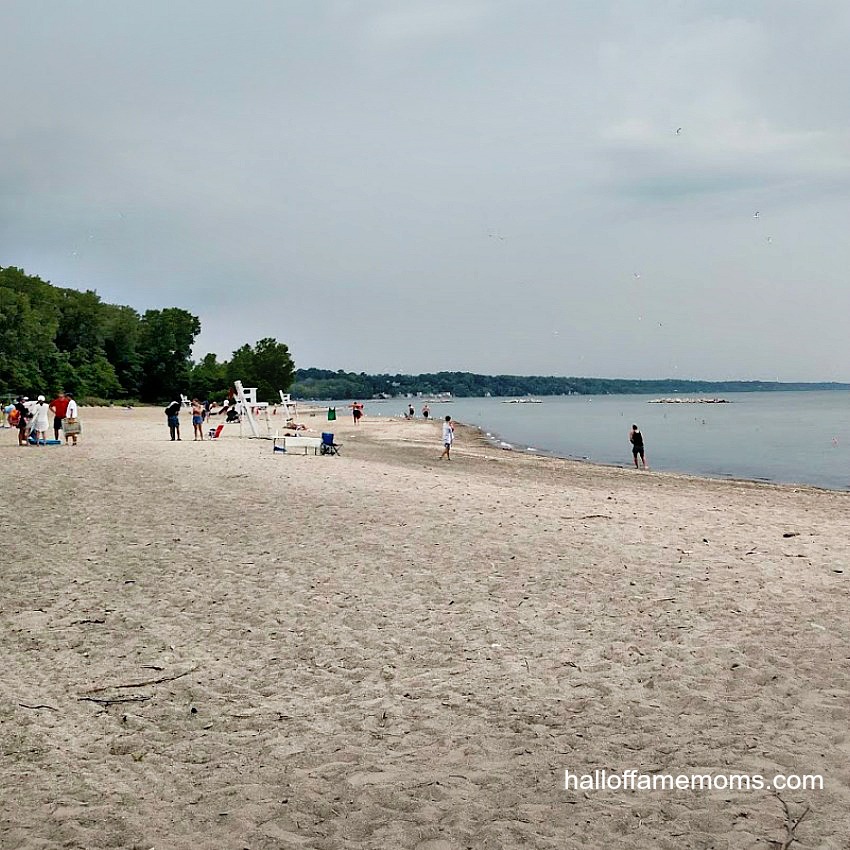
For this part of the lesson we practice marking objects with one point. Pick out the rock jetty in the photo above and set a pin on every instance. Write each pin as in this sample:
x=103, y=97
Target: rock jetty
x=689, y=401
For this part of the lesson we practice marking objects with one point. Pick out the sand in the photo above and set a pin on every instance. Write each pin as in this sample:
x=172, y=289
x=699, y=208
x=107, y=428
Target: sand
x=208, y=645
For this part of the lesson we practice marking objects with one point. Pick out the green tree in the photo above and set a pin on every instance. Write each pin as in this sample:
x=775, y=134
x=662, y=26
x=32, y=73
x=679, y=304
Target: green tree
x=165, y=345
x=96, y=377
x=81, y=322
x=28, y=322
x=208, y=378
x=122, y=329
x=267, y=366
x=19, y=368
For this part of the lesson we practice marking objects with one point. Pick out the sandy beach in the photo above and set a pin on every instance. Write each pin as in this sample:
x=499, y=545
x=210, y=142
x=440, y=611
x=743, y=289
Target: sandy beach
x=209, y=646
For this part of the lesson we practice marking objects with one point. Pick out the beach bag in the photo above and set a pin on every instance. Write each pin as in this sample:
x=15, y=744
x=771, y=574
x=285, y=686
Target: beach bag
x=71, y=426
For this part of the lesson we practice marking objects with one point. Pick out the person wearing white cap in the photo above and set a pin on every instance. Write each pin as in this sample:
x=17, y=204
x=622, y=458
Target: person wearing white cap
x=40, y=421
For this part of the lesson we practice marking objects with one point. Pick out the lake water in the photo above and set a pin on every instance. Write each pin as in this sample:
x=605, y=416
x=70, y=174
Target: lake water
x=792, y=437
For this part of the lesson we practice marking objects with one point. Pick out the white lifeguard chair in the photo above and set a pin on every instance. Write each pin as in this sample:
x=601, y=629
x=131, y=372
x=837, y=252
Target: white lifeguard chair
x=245, y=408
x=288, y=405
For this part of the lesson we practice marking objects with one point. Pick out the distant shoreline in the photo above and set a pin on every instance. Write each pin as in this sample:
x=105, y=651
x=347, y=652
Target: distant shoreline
x=324, y=384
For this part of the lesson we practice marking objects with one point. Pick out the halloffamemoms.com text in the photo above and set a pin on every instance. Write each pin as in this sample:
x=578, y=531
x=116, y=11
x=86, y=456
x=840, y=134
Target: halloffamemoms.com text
x=632, y=780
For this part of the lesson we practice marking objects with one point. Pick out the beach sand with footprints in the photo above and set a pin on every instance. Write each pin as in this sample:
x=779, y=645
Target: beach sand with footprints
x=209, y=646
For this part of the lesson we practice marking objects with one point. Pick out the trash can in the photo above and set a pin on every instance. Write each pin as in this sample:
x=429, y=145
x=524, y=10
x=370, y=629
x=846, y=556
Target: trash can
x=331, y=414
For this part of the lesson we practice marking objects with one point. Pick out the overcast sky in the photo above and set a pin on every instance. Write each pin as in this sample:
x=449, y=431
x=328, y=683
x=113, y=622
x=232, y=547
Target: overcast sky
x=635, y=189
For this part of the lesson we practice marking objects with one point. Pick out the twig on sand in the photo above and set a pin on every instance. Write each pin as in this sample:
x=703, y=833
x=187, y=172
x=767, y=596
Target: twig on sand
x=589, y=516
x=40, y=705
x=107, y=702
x=790, y=824
x=141, y=684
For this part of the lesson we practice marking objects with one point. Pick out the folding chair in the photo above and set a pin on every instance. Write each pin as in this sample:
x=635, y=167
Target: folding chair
x=329, y=447
x=215, y=433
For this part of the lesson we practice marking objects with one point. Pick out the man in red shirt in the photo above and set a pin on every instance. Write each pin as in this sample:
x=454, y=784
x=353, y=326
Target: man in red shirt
x=59, y=406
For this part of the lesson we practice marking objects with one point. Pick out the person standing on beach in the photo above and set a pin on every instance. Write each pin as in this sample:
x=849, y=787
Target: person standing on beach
x=71, y=414
x=172, y=412
x=198, y=419
x=636, y=439
x=357, y=412
x=40, y=421
x=411, y=413
x=426, y=411
x=23, y=419
x=448, y=438
x=59, y=408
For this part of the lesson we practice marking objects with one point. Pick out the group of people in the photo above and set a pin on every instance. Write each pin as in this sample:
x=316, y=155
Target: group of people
x=230, y=408
x=411, y=413
x=200, y=411
x=32, y=419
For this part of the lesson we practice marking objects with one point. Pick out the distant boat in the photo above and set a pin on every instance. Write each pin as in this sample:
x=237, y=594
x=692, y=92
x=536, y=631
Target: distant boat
x=522, y=401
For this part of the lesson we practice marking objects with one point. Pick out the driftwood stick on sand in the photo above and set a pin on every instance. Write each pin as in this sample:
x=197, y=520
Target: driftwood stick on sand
x=113, y=700
x=790, y=824
x=589, y=516
x=40, y=705
x=141, y=684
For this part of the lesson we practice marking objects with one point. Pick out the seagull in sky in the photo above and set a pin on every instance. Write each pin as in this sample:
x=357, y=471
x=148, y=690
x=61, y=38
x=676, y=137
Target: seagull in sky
x=756, y=214
x=679, y=131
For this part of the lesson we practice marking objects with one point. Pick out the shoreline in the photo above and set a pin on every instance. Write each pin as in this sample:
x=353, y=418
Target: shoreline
x=525, y=451
x=755, y=441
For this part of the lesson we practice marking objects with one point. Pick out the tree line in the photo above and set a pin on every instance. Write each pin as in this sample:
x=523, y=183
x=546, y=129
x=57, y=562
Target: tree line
x=53, y=338
x=327, y=384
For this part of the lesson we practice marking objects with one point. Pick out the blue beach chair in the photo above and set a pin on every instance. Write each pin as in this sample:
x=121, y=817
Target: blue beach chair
x=329, y=447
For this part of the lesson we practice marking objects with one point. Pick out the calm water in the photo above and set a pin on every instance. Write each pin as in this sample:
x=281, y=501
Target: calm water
x=793, y=437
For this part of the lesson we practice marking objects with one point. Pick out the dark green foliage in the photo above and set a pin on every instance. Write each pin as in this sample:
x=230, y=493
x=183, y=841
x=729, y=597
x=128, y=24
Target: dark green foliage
x=267, y=366
x=52, y=338
x=122, y=330
x=165, y=345
x=209, y=379
x=325, y=384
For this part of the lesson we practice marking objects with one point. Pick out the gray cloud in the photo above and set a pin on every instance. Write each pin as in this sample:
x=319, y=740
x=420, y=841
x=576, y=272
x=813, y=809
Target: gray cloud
x=433, y=185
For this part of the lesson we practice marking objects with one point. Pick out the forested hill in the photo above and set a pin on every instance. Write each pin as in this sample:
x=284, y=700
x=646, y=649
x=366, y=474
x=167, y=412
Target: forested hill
x=325, y=384
x=52, y=338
